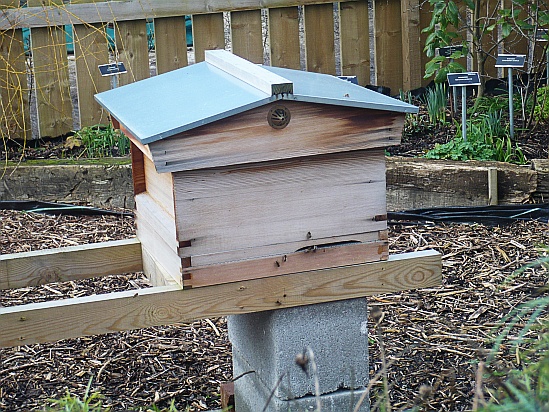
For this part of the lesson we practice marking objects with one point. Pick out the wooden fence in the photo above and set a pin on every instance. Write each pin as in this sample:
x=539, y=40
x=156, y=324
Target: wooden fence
x=303, y=34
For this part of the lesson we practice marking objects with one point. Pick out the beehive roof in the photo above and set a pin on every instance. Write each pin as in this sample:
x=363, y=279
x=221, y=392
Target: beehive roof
x=183, y=99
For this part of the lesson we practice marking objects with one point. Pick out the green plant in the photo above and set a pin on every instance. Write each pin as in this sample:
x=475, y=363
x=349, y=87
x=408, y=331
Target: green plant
x=436, y=100
x=71, y=403
x=458, y=149
x=486, y=140
x=100, y=141
x=541, y=110
x=481, y=28
x=524, y=332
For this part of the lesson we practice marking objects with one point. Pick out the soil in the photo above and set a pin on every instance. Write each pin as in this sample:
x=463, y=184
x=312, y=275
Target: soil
x=432, y=339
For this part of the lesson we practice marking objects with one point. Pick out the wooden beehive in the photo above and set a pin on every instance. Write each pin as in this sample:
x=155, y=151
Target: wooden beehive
x=243, y=171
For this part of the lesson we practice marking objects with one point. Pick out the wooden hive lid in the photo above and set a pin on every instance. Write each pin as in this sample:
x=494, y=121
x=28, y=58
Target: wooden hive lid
x=225, y=85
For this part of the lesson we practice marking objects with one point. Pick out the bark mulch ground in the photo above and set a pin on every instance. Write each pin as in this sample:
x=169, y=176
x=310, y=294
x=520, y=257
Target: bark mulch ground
x=432, y=338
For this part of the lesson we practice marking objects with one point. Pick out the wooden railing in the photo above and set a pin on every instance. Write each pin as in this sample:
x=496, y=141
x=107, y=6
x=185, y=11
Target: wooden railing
x=313, y=35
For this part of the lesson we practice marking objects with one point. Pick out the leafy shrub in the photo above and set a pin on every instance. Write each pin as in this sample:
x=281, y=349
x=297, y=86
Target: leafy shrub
x=486, y=140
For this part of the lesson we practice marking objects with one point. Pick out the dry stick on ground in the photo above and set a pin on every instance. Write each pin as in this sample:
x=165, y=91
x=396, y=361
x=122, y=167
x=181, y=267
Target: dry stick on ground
x=442, y=329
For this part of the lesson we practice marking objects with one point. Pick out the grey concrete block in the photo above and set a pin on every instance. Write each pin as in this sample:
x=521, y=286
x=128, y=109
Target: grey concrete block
x=253, y=397
x=268, y=342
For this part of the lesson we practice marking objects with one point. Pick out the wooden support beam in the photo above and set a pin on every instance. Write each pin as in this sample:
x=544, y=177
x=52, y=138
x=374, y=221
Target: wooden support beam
x=165, y=305
x=19, y=270
x=90, y=11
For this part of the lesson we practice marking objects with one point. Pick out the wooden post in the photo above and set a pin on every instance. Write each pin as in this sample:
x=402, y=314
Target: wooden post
x=208, y=34
x=14, y=93
x=170, y=36
x=51, y=78
x=355, y=40
x=284, y=37
x=246, y=35
x=90, y=50
x=412, y=71
x=133, y=50
x=319, y=38
x=492, y=186
x=388, y=44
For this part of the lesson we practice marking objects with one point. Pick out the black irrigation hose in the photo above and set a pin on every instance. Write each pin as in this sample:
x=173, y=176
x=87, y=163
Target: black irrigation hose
x=486, y=215
x=57, y=208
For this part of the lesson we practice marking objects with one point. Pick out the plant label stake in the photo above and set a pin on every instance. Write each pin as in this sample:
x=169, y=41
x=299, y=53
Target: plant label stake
x=463, y=80
x=447, y=52
x=113, y=70
x=510, y=61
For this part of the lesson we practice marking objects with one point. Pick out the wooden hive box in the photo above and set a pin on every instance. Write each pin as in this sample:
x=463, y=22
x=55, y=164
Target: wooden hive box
x=243, y=171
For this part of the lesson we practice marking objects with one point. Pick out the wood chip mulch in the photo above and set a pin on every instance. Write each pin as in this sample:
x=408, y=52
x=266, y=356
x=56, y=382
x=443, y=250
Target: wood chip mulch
x=432, y=338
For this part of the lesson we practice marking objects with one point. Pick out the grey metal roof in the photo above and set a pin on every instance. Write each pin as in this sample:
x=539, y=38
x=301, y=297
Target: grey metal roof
x=183, y=99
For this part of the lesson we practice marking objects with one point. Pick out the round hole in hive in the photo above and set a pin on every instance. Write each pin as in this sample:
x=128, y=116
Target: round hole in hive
x=279, y=116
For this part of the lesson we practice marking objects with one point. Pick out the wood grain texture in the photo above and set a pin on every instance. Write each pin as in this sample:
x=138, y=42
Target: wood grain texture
x=40, y=267
x=133, y=50
x=14, y=93
x=208, y=34
x=319, y=38
x=159, y=187
x=418, y=183
x=156, y=274
x=279, y=203
x=162, y=262
x=151, y=212
x=89, y=11
x=138, y=170
x=355, y=40
x=90, y=50
x=271, y=250
x=51, y=80
x=247, y=138
x=246, y=35
x=50, y=321
x=170, y=37
x=309, y=259
x=412, y=70
x=388, y=44
x=284, y=37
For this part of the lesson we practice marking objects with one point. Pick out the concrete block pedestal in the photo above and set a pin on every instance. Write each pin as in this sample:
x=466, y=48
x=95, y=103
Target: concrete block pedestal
x=267, y=343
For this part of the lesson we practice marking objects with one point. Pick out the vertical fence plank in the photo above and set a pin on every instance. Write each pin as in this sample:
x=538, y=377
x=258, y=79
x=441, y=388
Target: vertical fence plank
x=319, y=38
x=170, y=37
x=425, y=15
x=208, y=34
x=51, y=78
x=133, y=50
x=388, y=44
x=15, y=120
x=246, y=35
x=411, y=48
x=355, y=40
x=90, y=50
x=284, y=37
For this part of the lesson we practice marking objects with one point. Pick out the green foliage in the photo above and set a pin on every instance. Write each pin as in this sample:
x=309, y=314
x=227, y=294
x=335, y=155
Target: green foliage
x=486, y=140
x=436, y=99
x=71, y=403
x=541, y=110
x=526, y=388
x=100, y=141
x=458, y=149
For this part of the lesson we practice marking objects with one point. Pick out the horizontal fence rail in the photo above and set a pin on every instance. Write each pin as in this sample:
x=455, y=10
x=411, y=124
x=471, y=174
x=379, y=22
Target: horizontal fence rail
x=47, y=92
